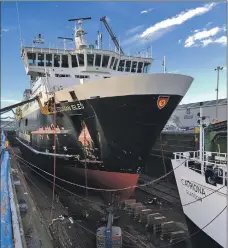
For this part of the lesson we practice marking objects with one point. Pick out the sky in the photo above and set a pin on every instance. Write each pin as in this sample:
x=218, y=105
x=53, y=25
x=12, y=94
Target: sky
x=191, y=35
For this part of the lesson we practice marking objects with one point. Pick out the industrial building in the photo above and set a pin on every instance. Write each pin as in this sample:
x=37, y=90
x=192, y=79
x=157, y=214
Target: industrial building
x=185, y=115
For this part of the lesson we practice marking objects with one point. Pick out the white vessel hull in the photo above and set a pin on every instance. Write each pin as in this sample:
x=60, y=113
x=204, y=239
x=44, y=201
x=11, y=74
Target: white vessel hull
x=192, y=186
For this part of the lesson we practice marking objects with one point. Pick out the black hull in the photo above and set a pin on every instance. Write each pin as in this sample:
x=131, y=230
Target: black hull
x=123, y=130
x=201, y=239
x=130, y=127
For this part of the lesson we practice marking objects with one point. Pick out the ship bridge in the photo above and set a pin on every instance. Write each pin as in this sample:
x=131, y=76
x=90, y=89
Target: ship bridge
x=81, y=63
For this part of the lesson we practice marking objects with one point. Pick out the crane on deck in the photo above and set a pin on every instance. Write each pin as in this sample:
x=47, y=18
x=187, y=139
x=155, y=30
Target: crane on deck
x=103, y=19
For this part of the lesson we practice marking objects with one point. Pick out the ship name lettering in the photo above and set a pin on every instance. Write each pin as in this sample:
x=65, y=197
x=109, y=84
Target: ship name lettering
x=71, y=107
x=193, y=186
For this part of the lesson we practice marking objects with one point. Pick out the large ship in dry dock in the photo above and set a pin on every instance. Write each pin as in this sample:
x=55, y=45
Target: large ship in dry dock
x=107, y=94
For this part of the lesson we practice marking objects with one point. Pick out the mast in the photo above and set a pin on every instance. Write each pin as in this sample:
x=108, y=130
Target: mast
x=79, y=32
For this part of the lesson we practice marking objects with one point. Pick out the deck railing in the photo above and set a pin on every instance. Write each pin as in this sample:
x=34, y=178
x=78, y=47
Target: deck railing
x=215, y=162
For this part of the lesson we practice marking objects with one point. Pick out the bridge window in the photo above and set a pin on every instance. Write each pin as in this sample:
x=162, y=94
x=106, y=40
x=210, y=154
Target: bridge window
x=121, y=65
x=65, y=63
x=133, y=68
x=56, y=60
x=82, y=76
x=112, y=62
x=31, y=58
x=115, y=64
x=90, y=59
x=48, y=59
x=128, y=66
x=81, y=59
x=146, y=67
x=105, y=61
x=98, y=60
x=74, y=61
x=140, y=64
x=62, y=75
x=40, y=59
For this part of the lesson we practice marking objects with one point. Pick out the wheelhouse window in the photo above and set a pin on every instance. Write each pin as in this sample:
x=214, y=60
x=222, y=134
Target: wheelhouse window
x=115, y=64
x=74, y=61
x=90, y=59
x=112, y=62
x=133, y=68
x=128, y=65
x=105, y=61
x=146, y=67
x=31, y=58
x=81, y=59
x=48, y=59
x=82, y=76
x=65, y=63
x=40, y=59
x=62, y=75
x=98, y=60
x=56, y=60
x=140, y=64
x=121, y=65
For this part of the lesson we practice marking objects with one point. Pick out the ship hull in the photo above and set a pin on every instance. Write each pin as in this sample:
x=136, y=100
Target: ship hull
x=202, y=203
x=130, y=113
x=75, y=173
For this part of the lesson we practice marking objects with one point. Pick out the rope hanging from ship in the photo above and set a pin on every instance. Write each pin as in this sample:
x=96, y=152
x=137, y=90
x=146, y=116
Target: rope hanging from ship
x=26, y=163
x=108, y=190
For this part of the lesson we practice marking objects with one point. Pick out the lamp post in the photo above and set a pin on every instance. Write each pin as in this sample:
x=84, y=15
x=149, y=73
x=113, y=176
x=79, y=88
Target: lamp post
x=218, y=69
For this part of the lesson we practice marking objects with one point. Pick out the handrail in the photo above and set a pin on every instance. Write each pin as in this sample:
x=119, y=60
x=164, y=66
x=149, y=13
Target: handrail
x=6, y=223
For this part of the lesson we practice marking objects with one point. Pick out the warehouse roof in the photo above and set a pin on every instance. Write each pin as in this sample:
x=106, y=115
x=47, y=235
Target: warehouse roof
x=205, y=104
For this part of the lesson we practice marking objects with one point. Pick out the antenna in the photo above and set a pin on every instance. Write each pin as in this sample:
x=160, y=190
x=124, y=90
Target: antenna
x=79, y=32
x=38, y=40
x=164, y=64
x=64, y=40
x=80, y=19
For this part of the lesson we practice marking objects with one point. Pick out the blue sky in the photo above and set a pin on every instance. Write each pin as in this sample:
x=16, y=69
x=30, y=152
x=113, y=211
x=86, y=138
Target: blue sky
x=190, y=35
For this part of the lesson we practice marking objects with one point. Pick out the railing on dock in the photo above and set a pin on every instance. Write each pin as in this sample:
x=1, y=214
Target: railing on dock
x=10, y=231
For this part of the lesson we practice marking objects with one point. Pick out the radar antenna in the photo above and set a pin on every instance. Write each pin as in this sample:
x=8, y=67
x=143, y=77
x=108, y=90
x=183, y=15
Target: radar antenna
x=64, y=40
x=79, y=32
x=103, y=19
x=39, y=40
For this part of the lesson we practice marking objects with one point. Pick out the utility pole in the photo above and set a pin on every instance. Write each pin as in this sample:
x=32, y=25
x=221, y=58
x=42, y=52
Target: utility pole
x=218, y=68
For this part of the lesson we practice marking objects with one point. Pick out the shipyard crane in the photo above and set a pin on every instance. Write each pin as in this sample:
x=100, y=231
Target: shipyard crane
x=103, y=19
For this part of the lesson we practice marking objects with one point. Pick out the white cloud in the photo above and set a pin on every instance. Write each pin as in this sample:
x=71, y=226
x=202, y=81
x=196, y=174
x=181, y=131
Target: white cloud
x=160, y=28
x=108, y=19
x=221, y=40
x=204, y=37
x=208, y=24
x=4, y=30
x=134, y=30
x=179, y=41
x=178, y=19
x=146, y=11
